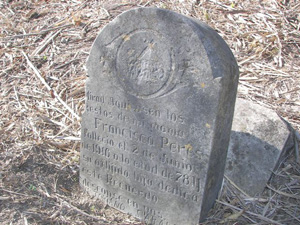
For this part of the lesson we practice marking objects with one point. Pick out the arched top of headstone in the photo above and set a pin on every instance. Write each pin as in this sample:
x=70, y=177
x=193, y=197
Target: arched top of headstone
x=151, y=52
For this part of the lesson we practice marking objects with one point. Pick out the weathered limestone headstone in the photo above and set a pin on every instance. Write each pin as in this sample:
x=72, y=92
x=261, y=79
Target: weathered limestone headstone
x=258, y=140
x=160, y=96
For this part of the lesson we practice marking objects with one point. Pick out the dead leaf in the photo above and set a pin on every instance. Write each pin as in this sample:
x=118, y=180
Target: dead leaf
x=234, y=216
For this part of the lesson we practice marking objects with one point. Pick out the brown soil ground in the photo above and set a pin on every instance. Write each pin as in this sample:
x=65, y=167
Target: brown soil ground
x=44, y=46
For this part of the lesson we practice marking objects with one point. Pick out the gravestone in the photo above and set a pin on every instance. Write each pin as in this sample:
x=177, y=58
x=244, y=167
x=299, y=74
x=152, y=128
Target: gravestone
x=259, y=140
x=160, y=97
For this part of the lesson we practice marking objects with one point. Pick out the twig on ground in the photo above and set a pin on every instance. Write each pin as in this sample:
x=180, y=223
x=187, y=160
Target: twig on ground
x=250, y=213
x=283, y=193
x=17, y=97
x=38, y=33
x=65, y=138
x=3, y=198
x=37, y=73
x=67, y=63
x=78, y=210
x=237, y=187
x=220, y=4
x=48, y=120
x=41, y=48
x=16, y=193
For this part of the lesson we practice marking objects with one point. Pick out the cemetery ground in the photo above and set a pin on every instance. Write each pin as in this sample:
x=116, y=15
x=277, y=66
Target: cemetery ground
x=44, y=46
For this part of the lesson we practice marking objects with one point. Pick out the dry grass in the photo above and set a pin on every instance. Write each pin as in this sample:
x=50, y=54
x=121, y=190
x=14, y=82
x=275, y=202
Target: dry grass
x=43, y=48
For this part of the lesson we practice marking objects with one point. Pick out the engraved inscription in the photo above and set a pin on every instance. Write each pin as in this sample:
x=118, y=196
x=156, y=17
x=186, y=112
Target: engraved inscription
x=111, y=154
x=132, y=150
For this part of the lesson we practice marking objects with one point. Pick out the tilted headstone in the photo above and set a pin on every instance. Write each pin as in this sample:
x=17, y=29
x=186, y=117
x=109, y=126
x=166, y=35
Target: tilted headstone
x=259, y=139
x=160, y=96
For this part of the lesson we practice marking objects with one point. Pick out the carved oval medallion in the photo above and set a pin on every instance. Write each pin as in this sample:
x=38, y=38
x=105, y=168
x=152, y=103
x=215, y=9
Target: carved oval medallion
x=143, y=63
